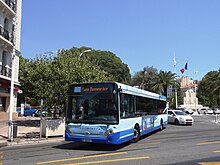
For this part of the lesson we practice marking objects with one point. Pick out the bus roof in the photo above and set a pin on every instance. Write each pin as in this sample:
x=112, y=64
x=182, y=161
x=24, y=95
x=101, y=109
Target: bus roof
x=139, y=92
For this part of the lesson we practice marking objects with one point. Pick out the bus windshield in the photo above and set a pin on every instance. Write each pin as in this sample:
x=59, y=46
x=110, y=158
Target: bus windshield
x=93, y=105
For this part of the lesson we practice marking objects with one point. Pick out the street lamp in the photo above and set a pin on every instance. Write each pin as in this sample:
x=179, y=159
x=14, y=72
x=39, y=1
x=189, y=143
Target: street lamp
x=85, y=51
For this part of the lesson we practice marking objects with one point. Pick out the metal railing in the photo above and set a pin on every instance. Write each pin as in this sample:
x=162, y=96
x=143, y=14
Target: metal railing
x=11, y=4
x=5, y=71
x=5, y=33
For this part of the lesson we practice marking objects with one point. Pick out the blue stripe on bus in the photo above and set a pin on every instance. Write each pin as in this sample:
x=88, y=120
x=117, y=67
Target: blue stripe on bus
x=116, y=138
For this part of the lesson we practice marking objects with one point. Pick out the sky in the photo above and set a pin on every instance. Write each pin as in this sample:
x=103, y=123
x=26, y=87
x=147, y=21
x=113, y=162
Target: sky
x=141, y=32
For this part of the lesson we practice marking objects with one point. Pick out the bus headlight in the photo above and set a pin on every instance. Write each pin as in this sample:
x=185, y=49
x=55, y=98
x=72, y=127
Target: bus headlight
x=109, y=132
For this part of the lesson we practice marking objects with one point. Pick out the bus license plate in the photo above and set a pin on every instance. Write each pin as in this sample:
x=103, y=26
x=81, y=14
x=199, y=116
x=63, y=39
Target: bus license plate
x=86, y=140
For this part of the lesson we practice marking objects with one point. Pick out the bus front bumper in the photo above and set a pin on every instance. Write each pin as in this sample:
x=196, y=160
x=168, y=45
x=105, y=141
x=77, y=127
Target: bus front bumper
x=115, y=138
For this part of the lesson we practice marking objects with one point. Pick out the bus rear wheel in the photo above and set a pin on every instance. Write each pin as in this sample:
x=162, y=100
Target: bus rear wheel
x=136, y=134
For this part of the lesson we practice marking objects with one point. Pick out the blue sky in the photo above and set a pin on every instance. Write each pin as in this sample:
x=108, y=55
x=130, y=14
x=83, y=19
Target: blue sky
x=141, y=33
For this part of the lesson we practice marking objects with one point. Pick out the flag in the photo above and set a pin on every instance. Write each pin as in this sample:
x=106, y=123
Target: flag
x=186, y=66
x=182, y=70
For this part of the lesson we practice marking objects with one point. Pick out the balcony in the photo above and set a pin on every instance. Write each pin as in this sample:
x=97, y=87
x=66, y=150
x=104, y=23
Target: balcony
x=5, y=71
x=5, y=33
x=8, y=7
x=11, y=4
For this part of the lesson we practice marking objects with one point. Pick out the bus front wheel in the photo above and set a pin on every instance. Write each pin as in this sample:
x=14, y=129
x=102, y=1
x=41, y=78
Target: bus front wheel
x=136, y=134
x=161, y=125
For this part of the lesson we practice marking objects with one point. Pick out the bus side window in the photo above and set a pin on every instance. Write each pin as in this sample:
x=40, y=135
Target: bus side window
x=122, y=110
x=127, y=108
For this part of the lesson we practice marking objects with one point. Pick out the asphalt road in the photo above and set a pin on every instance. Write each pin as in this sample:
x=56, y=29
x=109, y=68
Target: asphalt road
x=197, y=144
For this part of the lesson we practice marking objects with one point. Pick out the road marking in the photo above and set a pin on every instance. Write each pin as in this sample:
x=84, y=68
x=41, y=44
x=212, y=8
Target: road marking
x=209, y=163
x=217, y=151
x=110, y=160
x=1, y=157
x=83, y=157
x=149, y=143
x=206, y=143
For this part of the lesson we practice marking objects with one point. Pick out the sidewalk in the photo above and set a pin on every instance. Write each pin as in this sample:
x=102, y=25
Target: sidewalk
x=28, y=132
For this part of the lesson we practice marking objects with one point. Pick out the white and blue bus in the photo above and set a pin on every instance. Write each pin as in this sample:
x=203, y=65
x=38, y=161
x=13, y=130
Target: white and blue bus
x=112, y=113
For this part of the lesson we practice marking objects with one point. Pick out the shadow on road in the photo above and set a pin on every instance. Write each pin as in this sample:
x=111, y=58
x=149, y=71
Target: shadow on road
x=97, y=146
x=90, y=146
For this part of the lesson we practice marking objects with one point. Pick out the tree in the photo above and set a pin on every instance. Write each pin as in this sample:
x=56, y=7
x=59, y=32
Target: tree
x=172, y=99
x=163, y=80
x=149, y=79
x=145, y=79
x=49, y=77
x=110, y=63
x=209, y=89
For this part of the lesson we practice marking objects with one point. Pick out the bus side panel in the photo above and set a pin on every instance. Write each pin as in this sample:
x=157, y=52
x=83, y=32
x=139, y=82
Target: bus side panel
x=147, y=124
x=158, y=118
x=152, y=123
x=126, y=127
x=164, y=117
x=149, y=130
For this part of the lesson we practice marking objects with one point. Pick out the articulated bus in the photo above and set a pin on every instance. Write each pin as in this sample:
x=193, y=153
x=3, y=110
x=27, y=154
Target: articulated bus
x=112, y=113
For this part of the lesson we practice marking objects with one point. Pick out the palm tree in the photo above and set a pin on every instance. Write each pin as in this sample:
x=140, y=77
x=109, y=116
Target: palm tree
x=163, y=80
x=148, y=76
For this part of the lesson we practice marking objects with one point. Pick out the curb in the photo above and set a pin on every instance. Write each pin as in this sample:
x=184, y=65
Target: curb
x=20, y=142
x=4, y=144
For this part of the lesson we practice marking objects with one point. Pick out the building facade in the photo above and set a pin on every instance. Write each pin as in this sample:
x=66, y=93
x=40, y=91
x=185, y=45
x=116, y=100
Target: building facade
x=188, y=89
x=10, y=31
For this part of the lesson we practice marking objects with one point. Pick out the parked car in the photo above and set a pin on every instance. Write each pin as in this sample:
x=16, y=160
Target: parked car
x=28, y=111
x=203, y=110
x=188, y=111
x=216, y=111
x=179, y=117
x=44, y=113
x=209, y=111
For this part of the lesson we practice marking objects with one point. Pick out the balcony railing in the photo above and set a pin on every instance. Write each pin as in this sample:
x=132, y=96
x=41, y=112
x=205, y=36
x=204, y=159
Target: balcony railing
x=5, y=71
x=5, y=33
x=11, y=4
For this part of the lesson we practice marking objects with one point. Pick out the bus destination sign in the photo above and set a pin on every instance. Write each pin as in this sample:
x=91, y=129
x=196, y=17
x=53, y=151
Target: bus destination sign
x=90, y=89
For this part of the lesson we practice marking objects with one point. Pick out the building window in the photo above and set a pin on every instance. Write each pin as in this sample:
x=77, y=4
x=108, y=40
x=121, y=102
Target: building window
x=2, y=104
